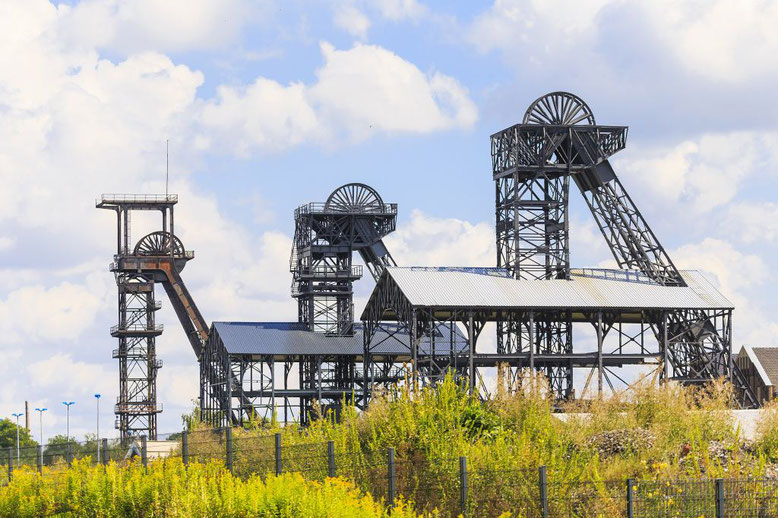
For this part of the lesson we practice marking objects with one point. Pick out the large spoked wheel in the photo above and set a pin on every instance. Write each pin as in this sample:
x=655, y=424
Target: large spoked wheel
x=158, y=244
x=354, y=197
x=560, y=109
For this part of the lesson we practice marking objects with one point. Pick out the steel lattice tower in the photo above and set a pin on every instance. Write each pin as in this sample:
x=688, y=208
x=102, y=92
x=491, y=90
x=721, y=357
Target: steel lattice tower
x=136, y=407
x=532, y=164
x=157, y=257
x=353, y=219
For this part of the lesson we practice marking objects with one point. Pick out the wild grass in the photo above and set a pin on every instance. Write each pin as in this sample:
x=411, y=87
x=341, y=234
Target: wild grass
x=170, y=490
x=653, y=433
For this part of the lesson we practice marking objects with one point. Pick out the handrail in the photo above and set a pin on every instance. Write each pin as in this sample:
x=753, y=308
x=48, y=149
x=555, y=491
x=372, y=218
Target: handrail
x=613, y=274
x=321, y=208
x=137, y=198
x=138, y=328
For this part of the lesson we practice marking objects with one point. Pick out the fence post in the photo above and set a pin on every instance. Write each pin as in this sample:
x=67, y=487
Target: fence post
x=279, y=465
x=10, y=463
x=630, y=497
x=463, y=484
x=390, y=469
x=543, y=487
x=185, y=449
x=719, y=498
x=105, y=450
x=144, y=452
x=229, y=448
x=331, y=458
x=40, y=458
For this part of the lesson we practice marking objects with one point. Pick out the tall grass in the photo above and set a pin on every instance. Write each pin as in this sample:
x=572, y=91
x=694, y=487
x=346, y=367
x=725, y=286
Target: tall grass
x=170, y=490
x=663, y=432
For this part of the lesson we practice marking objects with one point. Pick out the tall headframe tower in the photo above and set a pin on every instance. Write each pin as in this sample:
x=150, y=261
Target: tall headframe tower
x=353, y=219
x=156, y=257
x=532, y=166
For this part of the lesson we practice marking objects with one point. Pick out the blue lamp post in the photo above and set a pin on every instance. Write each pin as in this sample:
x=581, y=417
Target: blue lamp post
x=67, y=405
x=40, y=418
x=97, y=397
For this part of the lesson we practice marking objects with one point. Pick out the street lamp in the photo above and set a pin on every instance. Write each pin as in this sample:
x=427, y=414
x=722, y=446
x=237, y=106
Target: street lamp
x=67, y=405
x=40, y=418
x=97, y=397
x=17, y=416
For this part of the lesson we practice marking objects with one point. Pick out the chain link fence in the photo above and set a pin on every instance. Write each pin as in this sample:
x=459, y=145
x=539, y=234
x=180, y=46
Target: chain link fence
x=446, y=484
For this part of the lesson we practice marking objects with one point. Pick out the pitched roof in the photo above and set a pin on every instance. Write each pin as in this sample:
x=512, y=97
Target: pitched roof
x=765, y=360
x=586, y=289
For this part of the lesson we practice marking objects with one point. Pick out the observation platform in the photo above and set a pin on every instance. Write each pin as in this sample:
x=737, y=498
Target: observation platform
x=136, y=201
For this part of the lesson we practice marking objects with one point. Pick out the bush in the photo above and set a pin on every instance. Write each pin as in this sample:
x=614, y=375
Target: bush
x=168, y=489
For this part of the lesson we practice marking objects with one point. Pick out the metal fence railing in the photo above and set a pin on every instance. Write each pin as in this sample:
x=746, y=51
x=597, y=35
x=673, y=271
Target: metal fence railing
x=449, y=484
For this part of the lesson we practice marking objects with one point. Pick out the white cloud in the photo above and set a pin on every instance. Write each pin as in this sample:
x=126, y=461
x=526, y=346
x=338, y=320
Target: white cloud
x=429, y=241
x=702, y=173
x=81, y=376
x=751, y=222
x=720, y=40
x=169, y=26
x=396, y=10
x=32, y=314
x=740, y=277
x=368, y=88
x=517, y=26
x=358, y=92
x=352, y=20
x=265, y=115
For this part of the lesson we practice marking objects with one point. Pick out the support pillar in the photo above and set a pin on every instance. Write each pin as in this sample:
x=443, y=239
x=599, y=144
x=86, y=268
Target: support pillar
x=599, y=354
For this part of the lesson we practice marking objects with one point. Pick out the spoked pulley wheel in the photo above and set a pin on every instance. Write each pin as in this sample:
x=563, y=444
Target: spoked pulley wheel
x=559, y=109
x=354, y=197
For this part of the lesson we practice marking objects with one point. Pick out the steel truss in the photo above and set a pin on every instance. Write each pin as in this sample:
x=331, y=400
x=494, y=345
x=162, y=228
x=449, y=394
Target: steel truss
x=531, y=164
x=354, y=218
x=622, y=337
x=157, y=257
x=268, y=384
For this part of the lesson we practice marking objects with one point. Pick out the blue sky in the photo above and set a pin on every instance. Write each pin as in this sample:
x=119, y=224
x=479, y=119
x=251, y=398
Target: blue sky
x=268, y=105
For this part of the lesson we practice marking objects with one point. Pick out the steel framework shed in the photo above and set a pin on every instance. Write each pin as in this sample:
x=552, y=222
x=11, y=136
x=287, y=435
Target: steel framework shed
x=623, y=302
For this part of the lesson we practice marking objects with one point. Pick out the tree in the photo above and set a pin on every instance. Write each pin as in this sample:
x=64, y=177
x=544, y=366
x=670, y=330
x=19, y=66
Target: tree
x=8, y=435
x=57, y=448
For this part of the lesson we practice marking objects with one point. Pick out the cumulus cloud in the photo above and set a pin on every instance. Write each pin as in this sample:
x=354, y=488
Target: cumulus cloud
x=358, y=92
x=741, y=277
x=514, y=24
x=76, y=124
x=432, y=241
x=722, y=40
x=702, y=173
x=352, y=20
x=753, y=221
x=396, y=10
x=170, y=26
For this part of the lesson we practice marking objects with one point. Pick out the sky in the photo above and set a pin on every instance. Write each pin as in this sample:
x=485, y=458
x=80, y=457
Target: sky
x=271, y=104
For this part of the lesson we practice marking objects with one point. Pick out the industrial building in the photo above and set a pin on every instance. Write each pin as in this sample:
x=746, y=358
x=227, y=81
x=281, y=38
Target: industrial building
x=421, y=323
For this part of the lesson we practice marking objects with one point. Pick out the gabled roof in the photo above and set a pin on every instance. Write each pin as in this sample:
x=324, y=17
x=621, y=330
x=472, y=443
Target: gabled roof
x=586, y=290
x=765, y=361
x=293, y=338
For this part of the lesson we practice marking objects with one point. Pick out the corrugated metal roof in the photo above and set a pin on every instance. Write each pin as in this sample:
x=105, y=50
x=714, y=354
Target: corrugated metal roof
x=479, y=287
x=293, y=338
